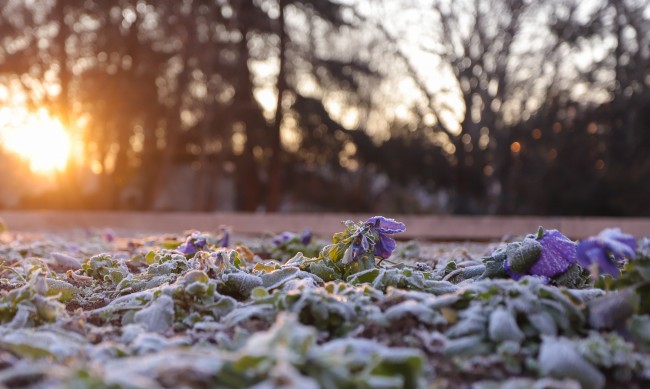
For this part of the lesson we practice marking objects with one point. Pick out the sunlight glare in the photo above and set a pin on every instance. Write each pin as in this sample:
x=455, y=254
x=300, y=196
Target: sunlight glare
x=38, y=138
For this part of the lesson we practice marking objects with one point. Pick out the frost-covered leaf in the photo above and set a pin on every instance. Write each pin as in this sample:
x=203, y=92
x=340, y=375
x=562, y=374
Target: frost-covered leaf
x=173, y=368
x=326, y=270
x=240, y=314
x=64, y=290
x=65, y=261
x=503, y=327
x=277, y=278
x=241, y=283
x=528, y=383
x=612, y=310
x=639, y=327
x=543, y=323
x=465, y=273
x=467, y=346
x=521, y=256
x=39, y=343
x=158, y=315
x=366, y=276
x=473, y=322
x=558, y=359
x=422, y=313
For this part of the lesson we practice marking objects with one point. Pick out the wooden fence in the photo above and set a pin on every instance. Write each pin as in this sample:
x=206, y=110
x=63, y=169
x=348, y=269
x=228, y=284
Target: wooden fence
x=431, y=227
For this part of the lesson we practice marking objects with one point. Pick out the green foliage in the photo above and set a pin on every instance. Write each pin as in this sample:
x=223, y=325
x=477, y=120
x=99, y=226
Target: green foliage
x=228, y=319
x=286, y=250
x=104, y=268
x=29, y=305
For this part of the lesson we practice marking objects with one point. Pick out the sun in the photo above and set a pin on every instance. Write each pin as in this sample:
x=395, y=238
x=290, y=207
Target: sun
x=37, y=137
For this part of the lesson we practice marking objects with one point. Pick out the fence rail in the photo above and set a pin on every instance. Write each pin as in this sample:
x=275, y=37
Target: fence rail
x=432, y=227
x=426, y=227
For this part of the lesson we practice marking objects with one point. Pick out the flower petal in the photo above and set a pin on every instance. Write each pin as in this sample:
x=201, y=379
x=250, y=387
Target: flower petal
x=589, y=251
x=283, y=238
x=306, y=237
x=605, y=265
x=619, y=249
x=225, y=238
x=607, y=249
x=618, y=244
x=384, y=246
x=359, y=246
x=385, y=225
x=592, y=252
x=193, y=243
x=558, y=254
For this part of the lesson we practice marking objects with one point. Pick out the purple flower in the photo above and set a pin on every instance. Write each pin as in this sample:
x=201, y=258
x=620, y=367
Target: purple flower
x=385, y=245
x=306, y=236
x=192, y=244
x=546, y=256
x=372, y=234
x=360, y=245
x=283, y=238
x=109, y=236
x=225, y=238
x=607, y=250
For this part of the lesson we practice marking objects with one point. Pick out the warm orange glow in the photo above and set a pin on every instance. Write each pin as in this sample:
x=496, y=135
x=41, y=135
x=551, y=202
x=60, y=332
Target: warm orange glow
x=592, y=128
x=515, y=147
x=488, y=170
x=37, y=137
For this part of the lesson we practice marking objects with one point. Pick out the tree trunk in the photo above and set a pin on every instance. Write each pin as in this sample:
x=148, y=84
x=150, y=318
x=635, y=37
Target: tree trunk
x=67, y=181
x=248, y=112
x=173, y=126
x=205, y=174
x=275, y=163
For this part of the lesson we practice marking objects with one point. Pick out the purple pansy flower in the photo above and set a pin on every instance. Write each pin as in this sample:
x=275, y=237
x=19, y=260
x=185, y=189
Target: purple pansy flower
x=385, y=245
x=109, y=236
x=553, y=255
x=306, y=236
x=224, y=241
x=192, y=244
x=608, y=249
x=285, y=237
x=360, y=245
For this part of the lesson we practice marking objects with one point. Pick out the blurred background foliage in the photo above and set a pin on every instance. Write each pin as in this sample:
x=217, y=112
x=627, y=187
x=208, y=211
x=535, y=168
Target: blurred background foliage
x=467, y=106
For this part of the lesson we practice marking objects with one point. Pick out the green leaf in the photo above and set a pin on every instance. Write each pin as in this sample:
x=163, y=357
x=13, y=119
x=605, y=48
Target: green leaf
x=277, y=278
x=366, y=276
x=503, y=327
x=639, y=327
x=401, y=362
x=65, y=290
x=612, y=310
x=467, y=346
x=150, y=257
x=158, y=315
x=241, y=283
x=326, y=270
x=523, y=255
x=559, y=359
